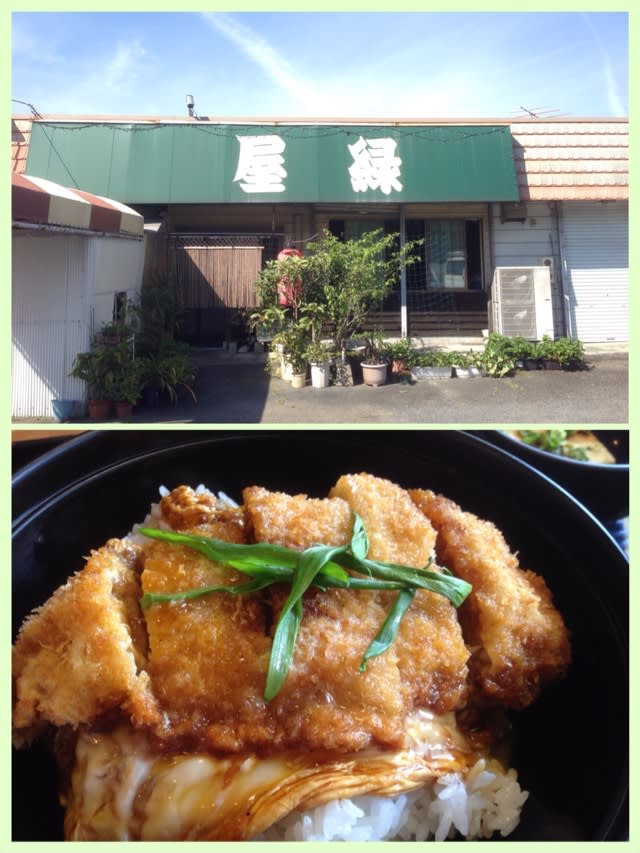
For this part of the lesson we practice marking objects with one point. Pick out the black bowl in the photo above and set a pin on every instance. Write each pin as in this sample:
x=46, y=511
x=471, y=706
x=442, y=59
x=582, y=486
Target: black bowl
x=570, y=747
x=602, y=488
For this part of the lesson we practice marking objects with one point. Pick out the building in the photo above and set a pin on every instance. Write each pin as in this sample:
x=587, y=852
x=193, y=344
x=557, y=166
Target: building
x=221, y=197
x=75, y=257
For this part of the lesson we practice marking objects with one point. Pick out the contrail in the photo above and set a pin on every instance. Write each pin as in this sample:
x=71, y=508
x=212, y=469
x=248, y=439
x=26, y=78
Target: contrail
x=261, y=52
x=616, y=103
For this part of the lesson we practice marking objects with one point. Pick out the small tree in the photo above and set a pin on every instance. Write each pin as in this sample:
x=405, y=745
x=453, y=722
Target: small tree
x=352, y=277
x=337, y=282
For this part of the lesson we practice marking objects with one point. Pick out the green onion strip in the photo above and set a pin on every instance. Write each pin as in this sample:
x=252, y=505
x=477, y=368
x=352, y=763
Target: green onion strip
x=320, y=566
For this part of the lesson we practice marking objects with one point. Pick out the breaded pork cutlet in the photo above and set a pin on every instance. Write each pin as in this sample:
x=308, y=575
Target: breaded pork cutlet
x=200, y=677
x=432, y=655
x=82, y=653
x=519, y=638
x=325, y=694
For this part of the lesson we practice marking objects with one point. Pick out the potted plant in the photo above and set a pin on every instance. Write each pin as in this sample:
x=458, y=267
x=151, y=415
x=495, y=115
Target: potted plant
x=497, y=358
x=401, y=355
x=567, y=352
x=319, y=357
x=546, y=351
x=266, y=324
x=292, y=341
x=128, y=387
x=434, y=364
x=374, y=362
x=524, y=352
x=159, y=313
x=95, y=368
x=122, y=328
x=465, y=365
x=169, y=373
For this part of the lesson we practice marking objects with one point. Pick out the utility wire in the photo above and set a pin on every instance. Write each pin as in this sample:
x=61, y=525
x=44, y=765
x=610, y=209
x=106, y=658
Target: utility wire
x=34, y=111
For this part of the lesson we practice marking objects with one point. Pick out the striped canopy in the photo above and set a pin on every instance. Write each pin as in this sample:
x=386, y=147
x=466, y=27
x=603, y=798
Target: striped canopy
x=42, y=202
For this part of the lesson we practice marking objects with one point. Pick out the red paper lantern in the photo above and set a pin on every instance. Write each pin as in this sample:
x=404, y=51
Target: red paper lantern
x=288, y=291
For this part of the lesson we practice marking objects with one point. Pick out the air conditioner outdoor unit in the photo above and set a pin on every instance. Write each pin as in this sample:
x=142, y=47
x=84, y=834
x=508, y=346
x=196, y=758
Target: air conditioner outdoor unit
x=521, y=302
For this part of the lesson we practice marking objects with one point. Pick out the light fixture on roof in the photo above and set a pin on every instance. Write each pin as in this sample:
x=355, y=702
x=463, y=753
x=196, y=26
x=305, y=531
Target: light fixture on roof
x=190, y=105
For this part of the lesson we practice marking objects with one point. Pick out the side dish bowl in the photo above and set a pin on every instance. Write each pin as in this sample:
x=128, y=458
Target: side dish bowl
x=570, y=748
x=601, y=487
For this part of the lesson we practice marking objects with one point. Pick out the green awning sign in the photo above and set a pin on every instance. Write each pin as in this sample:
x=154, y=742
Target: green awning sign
x=216, y=163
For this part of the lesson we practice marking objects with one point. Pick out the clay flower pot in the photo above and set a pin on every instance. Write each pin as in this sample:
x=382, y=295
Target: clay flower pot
x=374, y=374
x=99, y=410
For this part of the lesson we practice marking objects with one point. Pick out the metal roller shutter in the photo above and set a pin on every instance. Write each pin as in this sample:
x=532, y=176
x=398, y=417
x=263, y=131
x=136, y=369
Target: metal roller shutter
x=596, y=256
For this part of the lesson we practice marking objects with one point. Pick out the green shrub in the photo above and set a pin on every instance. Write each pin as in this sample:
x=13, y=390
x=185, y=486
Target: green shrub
x=568, y=351
x=497, y=358
x=401, y=350
x=436, y=358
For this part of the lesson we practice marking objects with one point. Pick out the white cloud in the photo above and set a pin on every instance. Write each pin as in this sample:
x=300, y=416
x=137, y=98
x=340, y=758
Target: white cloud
x=124, y=65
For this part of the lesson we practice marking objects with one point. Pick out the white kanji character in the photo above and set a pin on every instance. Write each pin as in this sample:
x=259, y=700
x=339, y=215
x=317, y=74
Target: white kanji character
x=375, y=165
x=260, y=164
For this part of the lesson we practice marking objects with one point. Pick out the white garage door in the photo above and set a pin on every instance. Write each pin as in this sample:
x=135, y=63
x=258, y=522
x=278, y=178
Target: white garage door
x=596, y=252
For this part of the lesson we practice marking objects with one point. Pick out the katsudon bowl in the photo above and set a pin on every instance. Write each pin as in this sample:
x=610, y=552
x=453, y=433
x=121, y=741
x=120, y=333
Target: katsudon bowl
x=570, y=748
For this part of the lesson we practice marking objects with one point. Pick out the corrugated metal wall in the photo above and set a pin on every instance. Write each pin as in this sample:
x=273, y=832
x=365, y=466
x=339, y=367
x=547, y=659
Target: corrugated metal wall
x=62, y=283
x=50, y=319
x=595, y=242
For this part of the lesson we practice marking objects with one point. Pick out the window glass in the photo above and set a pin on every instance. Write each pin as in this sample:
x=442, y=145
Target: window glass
x=446, y=258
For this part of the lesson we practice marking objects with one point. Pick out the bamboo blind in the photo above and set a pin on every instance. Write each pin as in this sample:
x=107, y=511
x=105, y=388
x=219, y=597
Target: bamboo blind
x=218, y=276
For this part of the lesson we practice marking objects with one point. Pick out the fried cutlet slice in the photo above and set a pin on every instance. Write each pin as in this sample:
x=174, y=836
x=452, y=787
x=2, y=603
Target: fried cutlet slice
x=81, y=654
x=425, y=666
x=519, y=638
x=208, y=656
x=296, y=521
x=397, y=533
x=326, y=702
x=432, y=655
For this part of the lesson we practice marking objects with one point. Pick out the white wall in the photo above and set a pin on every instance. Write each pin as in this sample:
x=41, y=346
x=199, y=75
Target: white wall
x=50, y=318
x=117, y=266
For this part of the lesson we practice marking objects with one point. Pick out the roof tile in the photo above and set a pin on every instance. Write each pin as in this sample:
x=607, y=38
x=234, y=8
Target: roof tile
x=571, y=160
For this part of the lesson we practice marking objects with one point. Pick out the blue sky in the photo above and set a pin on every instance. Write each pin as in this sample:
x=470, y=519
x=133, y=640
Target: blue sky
x=344, y=64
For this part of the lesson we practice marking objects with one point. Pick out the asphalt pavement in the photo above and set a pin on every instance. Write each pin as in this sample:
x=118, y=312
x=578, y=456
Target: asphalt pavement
x=236, y=389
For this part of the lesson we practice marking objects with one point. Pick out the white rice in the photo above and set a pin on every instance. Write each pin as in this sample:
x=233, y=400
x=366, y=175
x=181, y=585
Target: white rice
x=488, y=800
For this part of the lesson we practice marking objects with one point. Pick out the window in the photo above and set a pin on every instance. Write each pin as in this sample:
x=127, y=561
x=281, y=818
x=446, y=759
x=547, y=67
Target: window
x=445, y=254
x=450, y=257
